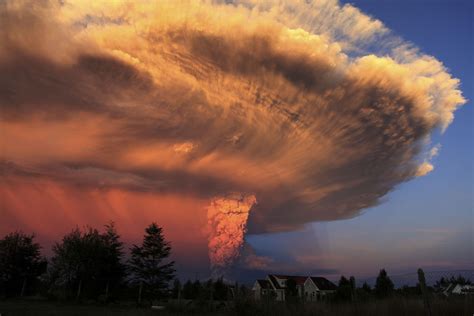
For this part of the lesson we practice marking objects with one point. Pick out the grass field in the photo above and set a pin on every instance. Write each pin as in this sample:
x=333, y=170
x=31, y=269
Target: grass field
x=395, y=306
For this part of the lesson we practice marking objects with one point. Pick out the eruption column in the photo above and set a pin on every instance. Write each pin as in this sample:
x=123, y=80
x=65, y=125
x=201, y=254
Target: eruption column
x=227, y=222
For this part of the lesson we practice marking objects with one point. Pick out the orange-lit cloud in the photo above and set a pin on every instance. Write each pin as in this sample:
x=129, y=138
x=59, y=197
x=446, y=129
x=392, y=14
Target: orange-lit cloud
x=52, y=209
x=276, y=99
x=227, y=224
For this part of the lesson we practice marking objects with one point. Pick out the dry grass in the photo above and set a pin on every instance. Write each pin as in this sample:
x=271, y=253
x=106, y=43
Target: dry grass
x=394, y=306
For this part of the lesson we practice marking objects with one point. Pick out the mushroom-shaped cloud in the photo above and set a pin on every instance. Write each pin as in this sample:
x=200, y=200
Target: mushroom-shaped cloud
x=313, y=109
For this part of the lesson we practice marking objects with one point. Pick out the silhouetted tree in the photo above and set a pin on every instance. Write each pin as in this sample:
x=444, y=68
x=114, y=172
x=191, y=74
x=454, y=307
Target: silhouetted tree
x=220, y=290
x=245, y=291
x=344, y=289
x=176, y=291
x=87, y=263
x=443, y=282
x=383, y=285
x=198, y=289
x=366, y=287
x=460, y=280
x=80, y=258
x=353, y=288
x=208, y=293
x=188, y=290
x=291, y=290
x=147, y=264
x=113, y=269
x=424, y=291
x=409, y=291
x=20, y=263
x=364, y=292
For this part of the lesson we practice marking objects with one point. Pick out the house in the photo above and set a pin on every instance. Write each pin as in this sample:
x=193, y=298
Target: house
x=458, y=289
x=308, y=288
x=262, y=289
x=318, y=288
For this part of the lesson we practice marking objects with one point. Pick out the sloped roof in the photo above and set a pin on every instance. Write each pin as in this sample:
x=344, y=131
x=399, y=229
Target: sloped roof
x=264, y=284
x=324, y=284
x=297, y=278
x=449, y=288
x=274, y=282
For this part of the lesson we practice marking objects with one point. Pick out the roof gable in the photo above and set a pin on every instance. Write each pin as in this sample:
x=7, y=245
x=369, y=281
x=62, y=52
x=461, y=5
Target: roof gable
x=274, y=282
x=264, y=284
x=323, y=284
x=297, y=278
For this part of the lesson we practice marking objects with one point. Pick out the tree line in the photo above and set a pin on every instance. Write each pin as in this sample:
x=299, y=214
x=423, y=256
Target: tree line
x=347, y=290
x=385, y=288
x=87, y=264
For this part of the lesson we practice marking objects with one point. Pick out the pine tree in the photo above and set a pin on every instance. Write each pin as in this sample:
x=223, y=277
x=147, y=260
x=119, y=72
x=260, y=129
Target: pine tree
x=113, y=268
x=148, y=264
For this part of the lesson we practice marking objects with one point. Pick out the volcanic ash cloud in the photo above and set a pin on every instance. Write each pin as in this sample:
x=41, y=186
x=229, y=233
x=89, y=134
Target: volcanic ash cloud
x=227, y=225
x=287, y=100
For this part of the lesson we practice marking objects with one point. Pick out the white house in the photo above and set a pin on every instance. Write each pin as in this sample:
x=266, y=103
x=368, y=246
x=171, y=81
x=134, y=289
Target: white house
x=318, y=288
x=262, y=289
x=308, y=288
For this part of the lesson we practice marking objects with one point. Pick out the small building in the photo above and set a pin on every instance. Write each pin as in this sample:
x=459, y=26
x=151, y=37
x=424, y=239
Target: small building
x=262, y=289
x=318, y=288
x=458, y=289
x=308, y=288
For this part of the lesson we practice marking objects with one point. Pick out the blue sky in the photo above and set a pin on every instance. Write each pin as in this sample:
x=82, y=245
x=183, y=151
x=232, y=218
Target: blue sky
x=427, y=222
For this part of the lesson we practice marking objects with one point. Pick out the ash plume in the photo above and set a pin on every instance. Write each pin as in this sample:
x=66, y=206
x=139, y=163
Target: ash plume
x=281, y=99
x=227, y=224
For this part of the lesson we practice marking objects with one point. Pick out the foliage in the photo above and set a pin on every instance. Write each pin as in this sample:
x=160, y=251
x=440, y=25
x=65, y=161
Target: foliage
x=20, y=263
x=220, y=289
x=86, y=263
x=147, y=263
x=409, y=291
x=383, y=285
x=291, y=290
x=188, y=290
x=445, y=281
x=366, y=288
x=216, y=290
x=113, y=269
x=176, y=291
x=344, y=289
